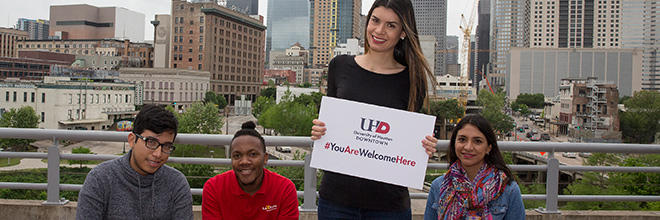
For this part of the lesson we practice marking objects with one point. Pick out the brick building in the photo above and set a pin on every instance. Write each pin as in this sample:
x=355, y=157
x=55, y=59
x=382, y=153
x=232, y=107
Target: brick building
x=228, y=44
x=588, y=105
x=8, y=39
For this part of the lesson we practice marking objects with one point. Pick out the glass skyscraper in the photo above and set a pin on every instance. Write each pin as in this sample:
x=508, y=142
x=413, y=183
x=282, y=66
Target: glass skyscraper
x=287, y=24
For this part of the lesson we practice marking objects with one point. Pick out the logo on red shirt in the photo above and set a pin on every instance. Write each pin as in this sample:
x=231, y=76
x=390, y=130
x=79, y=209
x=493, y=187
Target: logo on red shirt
x=269, y=208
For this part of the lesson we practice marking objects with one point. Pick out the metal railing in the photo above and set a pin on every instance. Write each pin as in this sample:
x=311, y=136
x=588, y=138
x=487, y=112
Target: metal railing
x=309, y=192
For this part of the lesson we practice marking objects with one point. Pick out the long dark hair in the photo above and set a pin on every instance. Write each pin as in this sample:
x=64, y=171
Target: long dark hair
x=493, y=158
x=407, y=52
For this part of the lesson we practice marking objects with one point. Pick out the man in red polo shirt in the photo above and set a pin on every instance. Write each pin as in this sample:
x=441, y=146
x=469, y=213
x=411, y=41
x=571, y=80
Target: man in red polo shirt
x=249, y=191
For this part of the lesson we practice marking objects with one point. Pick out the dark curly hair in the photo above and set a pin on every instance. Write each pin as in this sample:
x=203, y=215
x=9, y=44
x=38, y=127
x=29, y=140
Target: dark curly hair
x=249, y=128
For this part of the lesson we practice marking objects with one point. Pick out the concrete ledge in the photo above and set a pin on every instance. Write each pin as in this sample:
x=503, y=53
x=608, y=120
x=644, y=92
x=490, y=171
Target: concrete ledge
x=33, y=209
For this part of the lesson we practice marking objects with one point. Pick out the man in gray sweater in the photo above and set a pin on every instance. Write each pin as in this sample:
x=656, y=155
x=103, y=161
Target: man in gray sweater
x=139, y=185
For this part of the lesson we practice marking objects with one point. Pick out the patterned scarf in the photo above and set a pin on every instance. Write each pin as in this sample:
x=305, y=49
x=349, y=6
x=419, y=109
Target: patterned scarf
x=462, y=199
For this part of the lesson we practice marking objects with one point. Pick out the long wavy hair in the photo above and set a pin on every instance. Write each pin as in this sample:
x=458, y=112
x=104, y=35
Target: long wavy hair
x=408, y=51
x=493, y=158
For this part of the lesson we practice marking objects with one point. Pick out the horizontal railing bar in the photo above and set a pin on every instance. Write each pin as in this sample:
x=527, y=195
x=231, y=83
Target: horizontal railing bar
x=6, y=154
x=611, y=169
x=17, y=185
x=516, y=167
x=534, y=197
x=608, y=198
x=305, y=142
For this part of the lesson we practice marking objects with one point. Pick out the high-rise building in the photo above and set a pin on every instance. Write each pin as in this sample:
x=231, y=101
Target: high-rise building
x=228, y=44
x=37, y=29
x=431, y=18
x=509, y=29
x=288, y=23
x=575, y=24
x=249, y=7
x=90, y=22
x=639, y=30
x=331, y=22
x=9, y=39
x=451, y=56
x=482, y=44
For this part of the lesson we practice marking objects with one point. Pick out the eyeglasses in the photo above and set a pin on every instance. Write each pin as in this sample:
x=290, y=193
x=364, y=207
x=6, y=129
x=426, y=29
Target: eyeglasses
x=153, y=144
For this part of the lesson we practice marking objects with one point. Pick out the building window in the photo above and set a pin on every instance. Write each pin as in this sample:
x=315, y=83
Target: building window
x=43, y=116
x=43, y=97
x=7, y=96
x=14, y=96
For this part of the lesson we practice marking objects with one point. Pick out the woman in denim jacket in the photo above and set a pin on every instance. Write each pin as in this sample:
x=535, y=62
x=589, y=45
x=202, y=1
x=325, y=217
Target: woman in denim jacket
x=478, y=184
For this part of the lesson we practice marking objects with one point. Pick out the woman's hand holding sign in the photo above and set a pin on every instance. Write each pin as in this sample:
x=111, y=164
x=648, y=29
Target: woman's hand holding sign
x=318, y=129
x=429, y=144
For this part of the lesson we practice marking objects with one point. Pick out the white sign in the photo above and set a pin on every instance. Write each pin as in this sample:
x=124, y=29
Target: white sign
x=373, y=142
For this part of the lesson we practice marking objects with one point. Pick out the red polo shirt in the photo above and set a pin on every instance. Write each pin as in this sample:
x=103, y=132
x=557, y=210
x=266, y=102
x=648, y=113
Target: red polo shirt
x=223, y=198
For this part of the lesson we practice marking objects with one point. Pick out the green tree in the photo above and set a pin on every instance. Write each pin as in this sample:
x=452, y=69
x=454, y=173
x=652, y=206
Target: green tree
x=443, y=111
x=493, y=110
x=624, y=99
x=312, y=99
x=24, y=117
x=80, y=150
x=289, y=117
x=269, y=92
x=200, y=119
x=271, y=83
x=219, y=100
x=261, y=105
x=531, y=100
x=639, y=123
x=306, y=85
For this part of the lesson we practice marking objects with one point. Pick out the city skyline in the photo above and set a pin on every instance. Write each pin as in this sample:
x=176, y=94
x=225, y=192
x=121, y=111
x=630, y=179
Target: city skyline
x=40, y=9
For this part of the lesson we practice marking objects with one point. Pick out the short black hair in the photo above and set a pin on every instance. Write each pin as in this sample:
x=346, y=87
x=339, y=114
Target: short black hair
x=249, y=128
x=156, y=119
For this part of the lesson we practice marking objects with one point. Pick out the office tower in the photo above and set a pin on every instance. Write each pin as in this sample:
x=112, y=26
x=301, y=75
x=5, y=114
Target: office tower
x=509, y=28
x=431, y=18
x=639, y=30
x=90, y=22
x=249, y=7
x=452, y=50
x=331, y=23
x=482, y=45
x=288, y=24
x=228, y=44
x=575, y=24
x=36, y=29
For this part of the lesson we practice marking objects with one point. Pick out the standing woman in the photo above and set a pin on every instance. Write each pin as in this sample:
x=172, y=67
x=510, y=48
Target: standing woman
x=392, y=73
x=478, y=184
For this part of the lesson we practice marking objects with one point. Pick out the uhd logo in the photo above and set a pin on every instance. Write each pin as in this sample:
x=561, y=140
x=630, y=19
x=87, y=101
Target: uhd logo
x=379, y=126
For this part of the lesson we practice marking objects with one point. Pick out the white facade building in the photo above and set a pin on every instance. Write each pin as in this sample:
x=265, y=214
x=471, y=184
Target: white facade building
x=351, y=47
x=164, y=86
x=64, y=104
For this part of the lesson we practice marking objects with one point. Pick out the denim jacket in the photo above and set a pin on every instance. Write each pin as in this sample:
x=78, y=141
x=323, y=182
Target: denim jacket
x=508, y=206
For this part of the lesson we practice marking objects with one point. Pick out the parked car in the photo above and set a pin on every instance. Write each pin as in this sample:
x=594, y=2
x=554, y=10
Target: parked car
x=283, y=149
x=534, y=131
x=584, y=154
x=529, y=135
x=545, y=136
x=525, y=126
x=533, y=138
x=569, y=154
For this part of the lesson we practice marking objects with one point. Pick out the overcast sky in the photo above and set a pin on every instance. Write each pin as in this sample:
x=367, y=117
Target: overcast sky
x=11, y=10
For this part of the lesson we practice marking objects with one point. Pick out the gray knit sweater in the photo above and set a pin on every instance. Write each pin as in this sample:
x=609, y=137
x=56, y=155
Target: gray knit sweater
x=114, y=190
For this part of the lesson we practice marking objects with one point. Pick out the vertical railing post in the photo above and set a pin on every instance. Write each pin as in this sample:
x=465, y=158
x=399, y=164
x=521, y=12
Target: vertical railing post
x=551, y=186
x=53, y=186
x=310, y=186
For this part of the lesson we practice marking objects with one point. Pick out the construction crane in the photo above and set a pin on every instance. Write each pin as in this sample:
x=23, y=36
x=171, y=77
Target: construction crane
x=466, y=28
